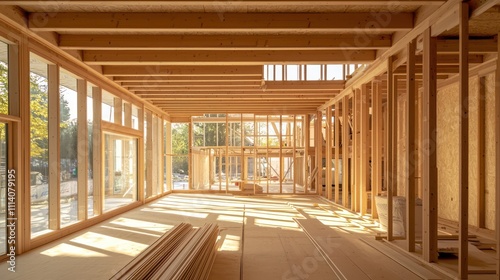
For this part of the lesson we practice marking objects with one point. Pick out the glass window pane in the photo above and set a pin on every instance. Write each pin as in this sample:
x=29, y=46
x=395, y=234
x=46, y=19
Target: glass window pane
x=313, y=72
x=135, y=117
x=334, y=72
x=108, y=112
x=120, y=181
x=292, y=72
x=39, y=149
x=68, y=127
x=4, y=78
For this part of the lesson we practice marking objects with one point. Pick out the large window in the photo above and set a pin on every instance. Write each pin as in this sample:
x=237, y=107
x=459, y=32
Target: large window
x=120, y=175
x=180, y=150
x=39, y=149
x=90, y=155
x=68, y=125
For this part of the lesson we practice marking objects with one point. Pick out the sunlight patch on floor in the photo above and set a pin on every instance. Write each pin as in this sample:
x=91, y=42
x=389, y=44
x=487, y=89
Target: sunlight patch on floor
x=68, y=250
x=109, y=243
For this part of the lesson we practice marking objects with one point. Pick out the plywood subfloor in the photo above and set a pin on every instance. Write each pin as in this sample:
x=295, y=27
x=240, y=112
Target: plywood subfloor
x=262, y=237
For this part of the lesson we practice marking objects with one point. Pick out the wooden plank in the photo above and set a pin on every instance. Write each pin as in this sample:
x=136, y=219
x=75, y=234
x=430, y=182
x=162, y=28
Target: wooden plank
x=364, y=148
x=183, y=71
x=221, y=42
x=497, y=159
x=307, y=143
x=148, y=164
x=318, y=141
x=83, y=149
x=54, y=151
x=97, y=151
x=463, y=141
x=229, y=58
x=346, y=186
x=481, y=153
x=233, y=22
x=328, y=154
x=377, y=145
x=355, y=151
x=411, y=139
x=337, y=151
x=390, y=176
x=127, y=110
x=429, y=153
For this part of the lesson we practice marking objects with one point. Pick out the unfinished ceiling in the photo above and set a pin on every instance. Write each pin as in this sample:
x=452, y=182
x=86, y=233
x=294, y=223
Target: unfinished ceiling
x=195, y=57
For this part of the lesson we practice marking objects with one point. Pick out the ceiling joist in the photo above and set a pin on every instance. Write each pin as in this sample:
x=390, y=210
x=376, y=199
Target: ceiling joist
x=168, y=72
x=223, y=42
x=360, y=23
x=226, y=57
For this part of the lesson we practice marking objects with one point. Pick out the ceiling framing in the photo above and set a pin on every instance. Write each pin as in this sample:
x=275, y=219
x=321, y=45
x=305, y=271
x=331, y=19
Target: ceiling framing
x=195, y=57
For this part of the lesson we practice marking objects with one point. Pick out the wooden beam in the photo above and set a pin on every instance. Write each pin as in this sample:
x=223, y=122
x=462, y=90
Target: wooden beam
x=193, y=80
x=429, y=153
x=390, y=176
x=235, y=95
x=181, y=71
x=345, y=151
x=83, y=149
x=232, y=22
x=328, y=154
x=97, y=151
x=147, y=83
x=337, y=151
x=377, y=145
x=481, y=154
x=148, y=164
x=54, y=149
x=463, y=258
x=364, y=142
x=228, y=58
x=318, y=145
x=222, y=42
x=230, y=3
x=411, y=144
x=497, y=159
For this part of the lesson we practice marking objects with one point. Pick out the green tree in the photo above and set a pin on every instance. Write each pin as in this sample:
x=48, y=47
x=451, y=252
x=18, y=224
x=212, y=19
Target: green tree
x=4, y=86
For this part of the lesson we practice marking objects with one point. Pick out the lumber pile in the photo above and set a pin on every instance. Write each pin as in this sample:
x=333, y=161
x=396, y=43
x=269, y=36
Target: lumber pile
x=181, y=253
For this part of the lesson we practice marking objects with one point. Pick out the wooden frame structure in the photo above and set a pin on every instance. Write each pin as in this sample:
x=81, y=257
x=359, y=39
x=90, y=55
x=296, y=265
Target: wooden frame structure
x=382, y=117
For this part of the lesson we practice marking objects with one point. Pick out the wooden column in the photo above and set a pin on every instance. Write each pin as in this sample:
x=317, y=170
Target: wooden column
x=149, y=154
x=307, y=166
x=83, y=148
x=429, y=146
x=337, y=151
x=282, y=162
x=364, y=142
x=190, y=156
x=377, y=126
x=355, y=196
x=497, y=158
x=390, y=178
x=463, y=140
x=328, y=153
x=96, y=150
x=481, y=153
x=318, y=140
x=54, y=150
x=411, y=139
x=226, y=158
x=127, y=110
x=140, y=154
x=345, y=151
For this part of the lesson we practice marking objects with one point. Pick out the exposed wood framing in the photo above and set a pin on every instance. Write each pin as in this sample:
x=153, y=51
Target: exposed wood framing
x=83, y=148
x=96, y=150
x=364, y=149
x=411, y=144
x=429, y=154
x=390, y=176
x=270, y=22
x=318, y=143
x=463, y=256
x=497, y=159
x=117, y=109
x=328, y=153
x=148, y=164
x=356, y=158
x=337, y=151
x=377, y=145
x=54, y=148
x=481, y=154
x=345, y=151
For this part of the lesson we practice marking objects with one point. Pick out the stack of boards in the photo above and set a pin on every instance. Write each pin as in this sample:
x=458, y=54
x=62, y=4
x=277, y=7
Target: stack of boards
x=181, y=253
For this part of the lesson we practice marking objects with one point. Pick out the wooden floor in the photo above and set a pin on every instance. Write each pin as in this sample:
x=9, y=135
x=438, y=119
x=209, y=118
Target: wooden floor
x=262, y=237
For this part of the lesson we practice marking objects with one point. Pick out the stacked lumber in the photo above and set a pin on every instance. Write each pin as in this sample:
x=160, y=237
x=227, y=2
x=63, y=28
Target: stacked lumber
x=181, y=253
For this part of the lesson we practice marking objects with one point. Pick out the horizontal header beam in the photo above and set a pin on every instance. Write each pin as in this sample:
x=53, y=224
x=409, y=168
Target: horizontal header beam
x=217, y=22
x=226, y=57
x=223, y=42
x=171, y=71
